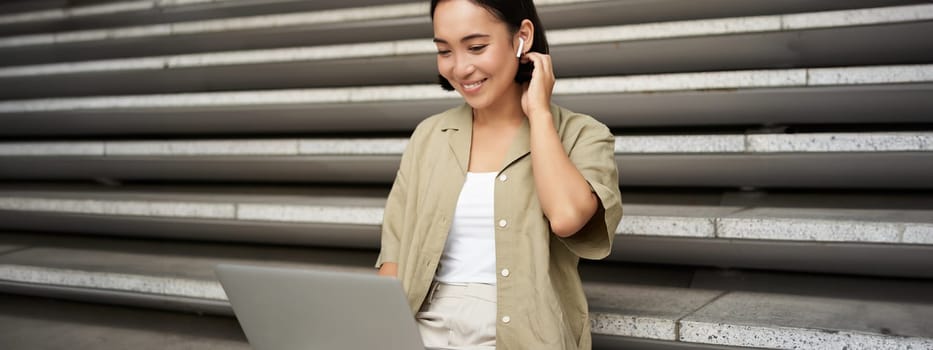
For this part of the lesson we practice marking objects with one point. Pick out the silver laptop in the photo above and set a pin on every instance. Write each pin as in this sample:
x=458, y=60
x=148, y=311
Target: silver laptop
x=286, y=308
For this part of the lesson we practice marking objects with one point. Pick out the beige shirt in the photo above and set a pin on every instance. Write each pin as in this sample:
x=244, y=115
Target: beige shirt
x=540, y=298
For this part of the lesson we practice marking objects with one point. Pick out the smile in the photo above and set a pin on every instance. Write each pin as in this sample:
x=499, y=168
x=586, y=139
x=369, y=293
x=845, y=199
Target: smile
x=473, y=86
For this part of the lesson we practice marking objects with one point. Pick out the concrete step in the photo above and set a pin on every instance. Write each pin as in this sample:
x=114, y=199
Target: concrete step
x=67, y=17
x=361, y=24
x=263, y=31
x=863, y=81
x=757, y=230
x=44, y=323
x=863, y=36
x=873, y=94
x=45, y=16
x=828, y=160
x=28, y=322
x=156, y=274
x=152, y=270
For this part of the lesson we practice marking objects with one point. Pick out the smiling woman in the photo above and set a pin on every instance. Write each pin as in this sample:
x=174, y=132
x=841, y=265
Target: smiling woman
x=496, y=200
x=511, y=10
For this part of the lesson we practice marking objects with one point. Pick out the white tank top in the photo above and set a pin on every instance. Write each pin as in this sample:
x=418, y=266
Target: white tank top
x=470, y=252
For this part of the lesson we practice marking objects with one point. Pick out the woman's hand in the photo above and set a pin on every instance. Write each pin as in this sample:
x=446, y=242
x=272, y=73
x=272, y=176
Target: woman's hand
x=536, y=96
x=389, y=269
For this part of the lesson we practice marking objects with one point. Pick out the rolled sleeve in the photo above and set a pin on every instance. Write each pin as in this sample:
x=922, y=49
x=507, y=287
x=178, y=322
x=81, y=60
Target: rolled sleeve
x=593, y=153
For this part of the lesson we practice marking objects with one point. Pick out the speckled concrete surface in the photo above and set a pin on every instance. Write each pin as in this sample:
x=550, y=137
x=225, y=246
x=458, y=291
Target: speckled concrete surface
x=794, y=322
x=308, y=213
x=918, y=234
x=672, y=226
x=868, y=16
x=113, y=281
x=632, y=326
x=680, y=82
x=203, y=147
x=771, y=337
x=314, y=196
x=842, y=142
x=647, y=31
x=116, y=207
x=826, y=225
x=680, y=144
x=230, y=147
x=353, y=146
x=239, y=98
x=641, y=311
x=808, y=230
x=870, y=75
x=813, y=208
x=60, y=148
x=648, y=144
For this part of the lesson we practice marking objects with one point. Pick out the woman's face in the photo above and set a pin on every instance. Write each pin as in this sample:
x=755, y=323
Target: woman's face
x=476, y=53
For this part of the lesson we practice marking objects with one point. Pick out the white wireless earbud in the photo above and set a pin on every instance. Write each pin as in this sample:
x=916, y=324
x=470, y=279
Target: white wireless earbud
x=521, y=45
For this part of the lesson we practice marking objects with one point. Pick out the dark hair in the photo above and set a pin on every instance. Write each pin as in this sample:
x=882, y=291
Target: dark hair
x=512, y=13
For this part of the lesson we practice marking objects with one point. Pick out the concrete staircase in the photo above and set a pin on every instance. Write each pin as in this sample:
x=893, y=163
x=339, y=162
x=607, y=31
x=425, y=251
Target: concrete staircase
x=775, y=160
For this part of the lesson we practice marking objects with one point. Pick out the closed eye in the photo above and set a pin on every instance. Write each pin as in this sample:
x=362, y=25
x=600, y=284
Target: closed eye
x=477, y=48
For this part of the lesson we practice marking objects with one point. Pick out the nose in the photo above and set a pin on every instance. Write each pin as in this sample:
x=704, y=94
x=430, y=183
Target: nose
x=464, y=67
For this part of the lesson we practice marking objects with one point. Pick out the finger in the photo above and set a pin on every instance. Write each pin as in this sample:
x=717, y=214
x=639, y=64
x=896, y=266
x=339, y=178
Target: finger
x=547, y=66
x=532, y=56
x=525, y=59
x=538, y=62
x=542, y=63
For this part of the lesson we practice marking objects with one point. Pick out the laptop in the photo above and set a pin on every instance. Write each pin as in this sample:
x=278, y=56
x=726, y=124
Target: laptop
x=288, y=308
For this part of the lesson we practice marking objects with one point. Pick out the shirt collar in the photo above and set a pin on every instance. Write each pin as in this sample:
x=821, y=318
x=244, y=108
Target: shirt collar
x=458, y=124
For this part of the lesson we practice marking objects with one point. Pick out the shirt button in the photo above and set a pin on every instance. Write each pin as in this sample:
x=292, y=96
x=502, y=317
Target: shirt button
x=505, y=272
x=506, y=319
x=502, y=223
x=503, y=177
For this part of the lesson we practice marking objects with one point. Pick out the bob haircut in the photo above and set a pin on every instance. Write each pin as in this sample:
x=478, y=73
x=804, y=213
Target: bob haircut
x=512, y=13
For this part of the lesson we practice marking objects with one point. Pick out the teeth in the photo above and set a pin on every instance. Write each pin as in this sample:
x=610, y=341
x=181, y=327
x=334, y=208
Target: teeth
x=470, y=86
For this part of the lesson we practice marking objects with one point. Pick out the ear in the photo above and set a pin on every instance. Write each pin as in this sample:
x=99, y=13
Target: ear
x=526, y=31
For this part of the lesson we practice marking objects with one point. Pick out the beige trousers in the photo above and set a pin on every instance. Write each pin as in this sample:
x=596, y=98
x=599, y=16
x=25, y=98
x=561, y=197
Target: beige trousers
x=459, y=316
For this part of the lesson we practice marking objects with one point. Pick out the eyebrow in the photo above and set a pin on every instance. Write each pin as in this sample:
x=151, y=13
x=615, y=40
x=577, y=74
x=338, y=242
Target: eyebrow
x=466, y=38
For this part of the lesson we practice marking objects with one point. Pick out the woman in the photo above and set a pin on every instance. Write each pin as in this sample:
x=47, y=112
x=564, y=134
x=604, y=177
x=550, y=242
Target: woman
x=496, y=200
